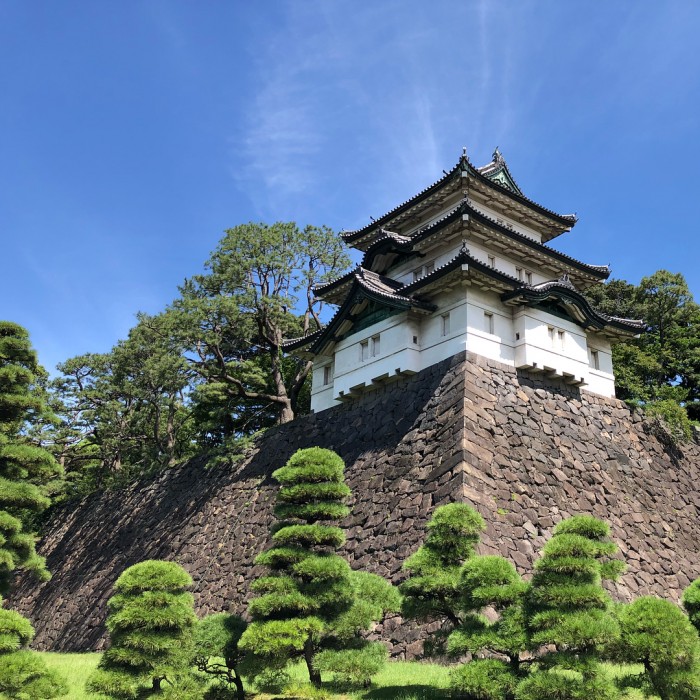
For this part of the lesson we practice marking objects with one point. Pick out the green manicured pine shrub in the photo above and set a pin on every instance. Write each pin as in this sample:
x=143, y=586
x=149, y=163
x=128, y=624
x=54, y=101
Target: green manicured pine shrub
x=151, y=619
x=489, y=582
x=23, y=674
x=25, y=467
x=216, y=637
x=656, y=634
x=568, y=612
x=311, y=601
x=484, y=679
x=691, y=603
x=431, y=592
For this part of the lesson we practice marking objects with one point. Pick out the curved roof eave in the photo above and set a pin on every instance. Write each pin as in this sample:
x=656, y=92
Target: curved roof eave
x=361, y=286
x=564, y=292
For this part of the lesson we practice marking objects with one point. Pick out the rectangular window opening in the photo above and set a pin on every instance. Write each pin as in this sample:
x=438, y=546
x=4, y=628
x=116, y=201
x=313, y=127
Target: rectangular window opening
x=519, y=273
x=528, y=277
x=595, y=359
x=327, y=375
x=560, y=339
x=375, y=346
x=445, y=324
x=550, y=332
x=488, y=322
x=430, y=267
x=364, y=350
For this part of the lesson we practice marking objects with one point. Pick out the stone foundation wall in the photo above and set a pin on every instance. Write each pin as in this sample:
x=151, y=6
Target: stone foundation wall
x=525, y=452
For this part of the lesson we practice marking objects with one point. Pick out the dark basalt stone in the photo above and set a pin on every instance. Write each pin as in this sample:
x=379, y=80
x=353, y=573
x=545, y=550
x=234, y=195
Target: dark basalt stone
x=525, y=451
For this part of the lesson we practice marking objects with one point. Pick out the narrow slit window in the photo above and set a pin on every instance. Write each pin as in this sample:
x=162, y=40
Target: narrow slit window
x=528, y=277
x=560, y=339
x=430, y=267
x=488, y=322
x=445, y=324
x=376, y=348
x=595, y=359
x=364, y=350
x=519, y=273
x=550, y=332
x=327, y=375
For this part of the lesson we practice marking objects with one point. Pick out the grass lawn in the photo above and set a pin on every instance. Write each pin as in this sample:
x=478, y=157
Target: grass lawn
x=400, y=680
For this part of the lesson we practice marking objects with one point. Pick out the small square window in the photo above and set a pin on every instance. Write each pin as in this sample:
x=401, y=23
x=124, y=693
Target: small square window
x=445, y=324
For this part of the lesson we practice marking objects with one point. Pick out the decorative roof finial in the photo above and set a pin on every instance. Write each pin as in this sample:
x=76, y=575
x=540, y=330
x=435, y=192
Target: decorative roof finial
x=464, y=250
x=497, y=157
x=464, y=151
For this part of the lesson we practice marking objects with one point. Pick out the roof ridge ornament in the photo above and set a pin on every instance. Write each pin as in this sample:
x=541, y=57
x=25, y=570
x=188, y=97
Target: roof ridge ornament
x=497, y=156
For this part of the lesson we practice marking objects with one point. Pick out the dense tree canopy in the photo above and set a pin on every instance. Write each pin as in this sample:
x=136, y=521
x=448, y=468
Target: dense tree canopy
x=664, y=363
x=208, y=371
x=124, y=412
x=256, y=293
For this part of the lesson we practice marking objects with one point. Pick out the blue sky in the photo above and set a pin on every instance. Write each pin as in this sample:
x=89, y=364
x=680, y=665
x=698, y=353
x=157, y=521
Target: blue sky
x=132, y=134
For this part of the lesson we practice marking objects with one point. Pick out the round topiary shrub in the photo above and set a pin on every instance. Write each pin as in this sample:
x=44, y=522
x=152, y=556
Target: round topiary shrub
x=23, y=673
x=150, y=621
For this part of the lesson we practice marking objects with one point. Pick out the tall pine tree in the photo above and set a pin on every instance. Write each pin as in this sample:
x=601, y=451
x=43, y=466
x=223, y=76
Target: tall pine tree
x=568, y=612
x=25, y=467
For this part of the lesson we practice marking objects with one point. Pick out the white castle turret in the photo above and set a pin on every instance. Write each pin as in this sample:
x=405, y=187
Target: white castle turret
x=463, y=265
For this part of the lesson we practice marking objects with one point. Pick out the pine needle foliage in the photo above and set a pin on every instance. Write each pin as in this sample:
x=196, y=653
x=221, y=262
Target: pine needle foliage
x=311, y=601
x=489, y=582
x=691, y=603
x=216, y=637
x=656, y=634
x=25, y=467
x=568, y=612
x=151, y=619
x=23, y=673
x=432, y=590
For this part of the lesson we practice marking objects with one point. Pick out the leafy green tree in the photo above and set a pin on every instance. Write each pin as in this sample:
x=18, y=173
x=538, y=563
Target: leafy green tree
x=256, y=293
x=124, y=413
x=23, y=674
x=656, y=634
x=567, y=611
x=310, y=601
x=489, y=582
x=151, y=620
x=216, y=637
x=432, y=591
x=691, y=603
x=664, y=363
x=25, y=467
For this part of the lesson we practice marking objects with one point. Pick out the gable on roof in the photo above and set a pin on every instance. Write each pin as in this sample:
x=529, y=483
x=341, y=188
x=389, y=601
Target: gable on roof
x=497, y=171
